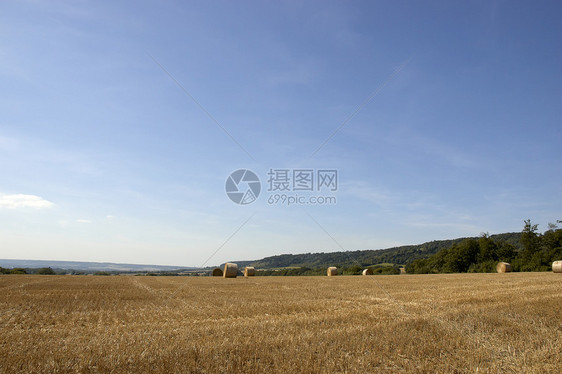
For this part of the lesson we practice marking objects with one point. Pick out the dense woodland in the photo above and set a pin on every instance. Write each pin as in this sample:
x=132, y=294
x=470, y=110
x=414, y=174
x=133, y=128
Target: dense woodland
x=351, y=270
x=386, y=261
x=528, y=250
x=40, y=271
x=535, y=253
x=365, y=258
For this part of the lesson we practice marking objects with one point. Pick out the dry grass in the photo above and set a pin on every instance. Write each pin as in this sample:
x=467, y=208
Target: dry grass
x=411, y=323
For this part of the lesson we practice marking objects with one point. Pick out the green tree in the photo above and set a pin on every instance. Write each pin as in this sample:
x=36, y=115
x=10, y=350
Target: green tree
x=530, y=239
x=539, y=251
x=506, y=252
x=46, y=271
x=461, y=256
x=488, y=249
x=353, y=270
x=552, y=238
x=419, y=266
x=438, y=261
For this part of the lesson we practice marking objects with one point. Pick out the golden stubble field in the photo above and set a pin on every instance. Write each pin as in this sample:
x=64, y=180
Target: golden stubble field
x=409, y=323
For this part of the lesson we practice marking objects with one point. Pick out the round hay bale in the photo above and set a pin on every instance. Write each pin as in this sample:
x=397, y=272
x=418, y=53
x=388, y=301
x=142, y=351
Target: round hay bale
x=368, y=272
x=216, y=272
x=249, y=271
x=230, y=270
x=332, y=270
x=557, y=266
x=503, y=267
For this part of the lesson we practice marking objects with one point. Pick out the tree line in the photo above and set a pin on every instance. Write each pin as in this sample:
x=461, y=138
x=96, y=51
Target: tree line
x=39, y=271
x=346, y=270
x=536, y=253
x=396, y=255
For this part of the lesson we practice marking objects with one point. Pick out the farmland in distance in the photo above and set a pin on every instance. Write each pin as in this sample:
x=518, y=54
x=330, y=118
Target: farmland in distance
x=410, y=323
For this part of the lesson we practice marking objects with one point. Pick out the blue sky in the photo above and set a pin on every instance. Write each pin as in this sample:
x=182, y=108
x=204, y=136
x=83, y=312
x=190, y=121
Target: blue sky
x=451, y=114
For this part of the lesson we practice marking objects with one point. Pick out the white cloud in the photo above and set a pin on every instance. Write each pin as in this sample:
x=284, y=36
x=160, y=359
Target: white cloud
x=24, y=201
x=83, y=221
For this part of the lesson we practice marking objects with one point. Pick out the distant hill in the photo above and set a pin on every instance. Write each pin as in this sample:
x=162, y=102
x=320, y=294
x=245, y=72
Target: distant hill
x=86, y=266
x=396, y=256
x=392, y=256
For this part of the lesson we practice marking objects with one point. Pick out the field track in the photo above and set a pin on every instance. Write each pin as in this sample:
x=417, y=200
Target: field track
x=409, y=323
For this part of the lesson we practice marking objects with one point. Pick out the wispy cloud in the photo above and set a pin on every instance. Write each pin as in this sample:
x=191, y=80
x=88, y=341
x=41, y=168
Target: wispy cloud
x=24, y=201
x=459, y=226
x=83, y=221
x=8, y=144
x=421, y=146
x=36, y=154
x=364, y=191
x=448, y=153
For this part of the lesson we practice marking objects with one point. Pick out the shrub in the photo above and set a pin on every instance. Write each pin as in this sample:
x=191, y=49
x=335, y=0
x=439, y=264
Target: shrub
x=46, y=271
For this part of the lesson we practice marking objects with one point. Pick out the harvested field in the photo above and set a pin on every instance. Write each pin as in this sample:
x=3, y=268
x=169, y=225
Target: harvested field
x=410, y=323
